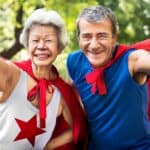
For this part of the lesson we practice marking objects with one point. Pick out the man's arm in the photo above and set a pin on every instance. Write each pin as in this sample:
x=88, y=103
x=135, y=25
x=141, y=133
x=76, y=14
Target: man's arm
x=139, y=65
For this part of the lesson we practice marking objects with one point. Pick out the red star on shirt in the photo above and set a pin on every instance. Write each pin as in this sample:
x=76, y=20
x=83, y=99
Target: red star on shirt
x=29, y=130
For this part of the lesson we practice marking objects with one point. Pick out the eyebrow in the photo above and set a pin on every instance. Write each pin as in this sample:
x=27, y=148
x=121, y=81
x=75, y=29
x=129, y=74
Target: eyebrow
x=100, y=33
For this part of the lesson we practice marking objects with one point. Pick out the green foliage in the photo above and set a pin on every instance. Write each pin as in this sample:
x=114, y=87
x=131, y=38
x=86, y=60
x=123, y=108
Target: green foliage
x=133, y=17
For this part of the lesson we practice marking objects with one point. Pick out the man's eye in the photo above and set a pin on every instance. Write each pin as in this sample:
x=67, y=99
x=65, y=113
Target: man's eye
x=103, y=37
x=48, y=40
x=86, y=37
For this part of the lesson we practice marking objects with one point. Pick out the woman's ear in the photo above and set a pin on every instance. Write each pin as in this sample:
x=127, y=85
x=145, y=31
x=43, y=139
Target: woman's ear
x=59, y=49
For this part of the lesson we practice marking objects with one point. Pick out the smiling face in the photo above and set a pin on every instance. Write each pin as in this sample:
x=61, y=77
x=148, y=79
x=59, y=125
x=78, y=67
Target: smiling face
x=97, y=41
x=43, y=45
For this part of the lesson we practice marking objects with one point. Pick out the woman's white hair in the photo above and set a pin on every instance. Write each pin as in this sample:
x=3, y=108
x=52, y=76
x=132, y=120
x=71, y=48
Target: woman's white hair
x=44, y=17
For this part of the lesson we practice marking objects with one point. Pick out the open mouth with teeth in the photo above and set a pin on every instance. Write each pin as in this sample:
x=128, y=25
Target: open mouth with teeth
x=42, y=56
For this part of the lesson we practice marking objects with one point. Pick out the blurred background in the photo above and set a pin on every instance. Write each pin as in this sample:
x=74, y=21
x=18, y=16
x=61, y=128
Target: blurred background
x=133, y=17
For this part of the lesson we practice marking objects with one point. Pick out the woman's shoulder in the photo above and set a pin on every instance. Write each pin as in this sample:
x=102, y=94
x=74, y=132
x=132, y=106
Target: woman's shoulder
x=9, y=76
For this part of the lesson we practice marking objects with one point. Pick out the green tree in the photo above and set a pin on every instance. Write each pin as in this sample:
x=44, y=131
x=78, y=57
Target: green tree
x=133, y=18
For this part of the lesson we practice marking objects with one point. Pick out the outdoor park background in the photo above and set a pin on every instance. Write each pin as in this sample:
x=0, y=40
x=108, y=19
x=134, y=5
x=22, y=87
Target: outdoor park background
x=133, y=17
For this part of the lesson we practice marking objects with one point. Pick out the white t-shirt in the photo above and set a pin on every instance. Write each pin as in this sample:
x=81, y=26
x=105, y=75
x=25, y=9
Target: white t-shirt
x=19, y=120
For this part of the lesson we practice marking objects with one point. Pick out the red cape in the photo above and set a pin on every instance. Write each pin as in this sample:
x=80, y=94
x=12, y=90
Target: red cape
x=140, y=45
x=96, y=77
x=78, y=115
x=79, y=120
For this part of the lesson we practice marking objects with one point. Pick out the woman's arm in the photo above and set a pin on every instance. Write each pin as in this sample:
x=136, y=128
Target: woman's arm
x=66, y=136
x=62, y=139
x=9, y=74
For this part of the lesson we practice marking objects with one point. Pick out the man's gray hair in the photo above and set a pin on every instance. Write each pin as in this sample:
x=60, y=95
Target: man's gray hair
x=97, y=14
x=44, y=17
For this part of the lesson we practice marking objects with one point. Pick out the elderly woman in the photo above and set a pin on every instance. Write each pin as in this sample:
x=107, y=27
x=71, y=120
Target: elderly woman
x=36, y=105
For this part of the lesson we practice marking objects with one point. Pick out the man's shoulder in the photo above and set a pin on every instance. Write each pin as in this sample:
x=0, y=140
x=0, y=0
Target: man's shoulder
x=75, y=61
x=76, y=53
x=75, y=56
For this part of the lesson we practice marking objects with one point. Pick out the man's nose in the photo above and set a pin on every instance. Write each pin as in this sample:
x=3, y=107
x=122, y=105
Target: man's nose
x=94, y=43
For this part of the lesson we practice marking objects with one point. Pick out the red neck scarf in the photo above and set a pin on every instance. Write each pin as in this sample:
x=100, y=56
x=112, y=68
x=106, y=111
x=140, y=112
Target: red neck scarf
x=71, y=99
x=40, y=87
x=96, y=77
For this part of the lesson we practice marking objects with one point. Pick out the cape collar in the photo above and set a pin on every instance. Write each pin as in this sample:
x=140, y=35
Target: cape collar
x=40, y=88
x=96, y=77
x=69, y=95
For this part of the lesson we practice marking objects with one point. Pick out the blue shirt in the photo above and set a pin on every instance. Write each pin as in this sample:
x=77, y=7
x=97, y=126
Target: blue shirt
x=118, y=120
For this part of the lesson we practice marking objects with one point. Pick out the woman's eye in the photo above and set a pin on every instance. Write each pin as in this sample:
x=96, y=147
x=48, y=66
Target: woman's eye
x=35, y=40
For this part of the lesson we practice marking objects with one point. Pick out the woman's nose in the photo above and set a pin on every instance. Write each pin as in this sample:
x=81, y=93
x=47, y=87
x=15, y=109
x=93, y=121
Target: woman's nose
x=41, y=44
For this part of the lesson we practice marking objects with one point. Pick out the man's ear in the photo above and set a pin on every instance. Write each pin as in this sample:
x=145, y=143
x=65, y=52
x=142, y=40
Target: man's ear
x=115, y=38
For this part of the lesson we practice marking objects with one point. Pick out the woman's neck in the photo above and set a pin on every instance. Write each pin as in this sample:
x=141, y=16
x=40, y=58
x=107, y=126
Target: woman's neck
x=43, y=72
